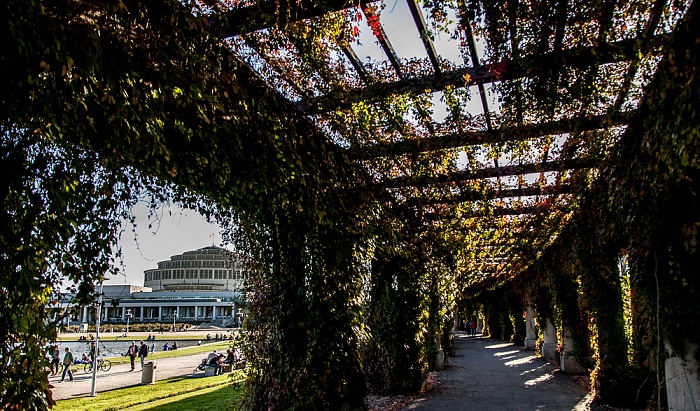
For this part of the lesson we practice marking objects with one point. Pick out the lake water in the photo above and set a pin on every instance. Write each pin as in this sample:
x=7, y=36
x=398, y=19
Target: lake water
x=117, y=348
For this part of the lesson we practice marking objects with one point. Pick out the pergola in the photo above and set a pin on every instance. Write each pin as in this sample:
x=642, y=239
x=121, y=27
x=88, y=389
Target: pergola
x=511, y=160
x=565, y=79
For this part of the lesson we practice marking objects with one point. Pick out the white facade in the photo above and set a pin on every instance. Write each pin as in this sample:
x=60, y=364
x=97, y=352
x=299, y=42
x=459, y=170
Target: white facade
x=204, y=285
x=207, y=269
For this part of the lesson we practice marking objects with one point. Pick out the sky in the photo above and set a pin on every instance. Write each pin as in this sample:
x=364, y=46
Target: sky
x=179, y=231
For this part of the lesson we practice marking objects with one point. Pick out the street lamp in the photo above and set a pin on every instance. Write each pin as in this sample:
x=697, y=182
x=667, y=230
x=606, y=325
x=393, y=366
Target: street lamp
x=174, y=318
x=128, y=317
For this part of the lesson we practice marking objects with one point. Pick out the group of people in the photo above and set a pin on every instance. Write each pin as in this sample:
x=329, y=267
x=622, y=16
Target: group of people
x=141, y=351
x=68, y=359
x=83, y=338
x=167, y=347
x=470, y=327
x=218, y=336
x=218, y=360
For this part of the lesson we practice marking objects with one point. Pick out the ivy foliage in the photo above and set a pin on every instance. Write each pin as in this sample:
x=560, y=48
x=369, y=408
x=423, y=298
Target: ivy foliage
x=361, y=215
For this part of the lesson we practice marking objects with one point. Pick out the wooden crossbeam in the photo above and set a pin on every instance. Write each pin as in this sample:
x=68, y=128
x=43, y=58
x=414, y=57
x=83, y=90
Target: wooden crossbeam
x=495, y=212
x=475, y=195
x=513, y=133
x=384, y=42
x=425, y=38
x=531, y=66
x=491, y=172
x=266, y=14
x=357, y=64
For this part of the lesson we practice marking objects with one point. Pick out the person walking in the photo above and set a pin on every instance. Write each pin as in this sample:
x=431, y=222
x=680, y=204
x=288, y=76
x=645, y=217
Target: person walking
x=132, y=352
x=67, y=362
x=143, y=353
x=55, y=360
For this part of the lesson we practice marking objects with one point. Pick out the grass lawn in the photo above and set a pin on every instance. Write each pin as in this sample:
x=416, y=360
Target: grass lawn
x=180, y=352
x=173, y=394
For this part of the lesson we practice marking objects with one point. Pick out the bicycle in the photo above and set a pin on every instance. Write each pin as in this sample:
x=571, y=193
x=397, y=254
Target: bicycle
x=102, y=364
x=201, y=367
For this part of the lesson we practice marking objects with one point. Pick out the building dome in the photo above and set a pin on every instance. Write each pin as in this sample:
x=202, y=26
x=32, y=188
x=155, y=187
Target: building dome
x=207, y=269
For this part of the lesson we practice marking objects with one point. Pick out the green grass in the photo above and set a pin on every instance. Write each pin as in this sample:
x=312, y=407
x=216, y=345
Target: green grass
x=180, y=352
x=173, y=394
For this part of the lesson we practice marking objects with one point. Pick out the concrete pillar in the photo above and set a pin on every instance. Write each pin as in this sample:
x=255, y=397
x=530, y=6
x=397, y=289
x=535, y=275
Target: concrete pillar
x=682, y=379
x=549, y=347
x=530, y=328
x=123, y=314
x=440, y=356
x=567, y=360
x=479, y=325
x=196, y=312
x=160, y=313
x=85, y=315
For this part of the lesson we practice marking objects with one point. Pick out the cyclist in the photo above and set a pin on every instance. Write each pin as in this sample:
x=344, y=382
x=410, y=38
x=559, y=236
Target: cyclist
x=94, y=352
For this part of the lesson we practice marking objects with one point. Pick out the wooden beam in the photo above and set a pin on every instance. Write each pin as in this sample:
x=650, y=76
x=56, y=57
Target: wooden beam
x=384, y=42
x=491, y=172
x=424, y=35
x=513, y=133
x=267, y=14
x=357, y=64
x=475, y=195
x=531, y=66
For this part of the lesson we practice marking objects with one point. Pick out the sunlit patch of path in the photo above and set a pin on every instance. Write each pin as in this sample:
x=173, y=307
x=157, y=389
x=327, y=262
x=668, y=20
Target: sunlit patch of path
x=488, y=375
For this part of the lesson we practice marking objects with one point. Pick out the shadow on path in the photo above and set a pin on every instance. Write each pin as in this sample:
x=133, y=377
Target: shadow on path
x=489, y=375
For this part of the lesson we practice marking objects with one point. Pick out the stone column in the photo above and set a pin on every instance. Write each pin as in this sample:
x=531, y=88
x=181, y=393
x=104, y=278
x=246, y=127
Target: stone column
x=479, y=325
x=549, y=347
x=682, y=379
x=85, y=315
x=530, y=328
x=440, y=356
x=567, y=360
x=196, y=312
x=123, y=314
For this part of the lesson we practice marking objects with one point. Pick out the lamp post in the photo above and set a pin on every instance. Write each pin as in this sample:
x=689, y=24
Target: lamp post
x=128, y=317
x=240, y=317
x=174, y=318
x=97, y=340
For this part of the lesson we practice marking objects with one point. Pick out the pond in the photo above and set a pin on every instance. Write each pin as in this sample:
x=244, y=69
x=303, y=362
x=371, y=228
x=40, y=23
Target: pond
x=117, y=348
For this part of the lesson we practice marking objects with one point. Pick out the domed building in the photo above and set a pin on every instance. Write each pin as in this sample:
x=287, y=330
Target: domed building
x=207, y=269
x=200, y=286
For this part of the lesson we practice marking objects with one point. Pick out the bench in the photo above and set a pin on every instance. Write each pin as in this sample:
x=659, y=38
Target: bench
x=209, y=371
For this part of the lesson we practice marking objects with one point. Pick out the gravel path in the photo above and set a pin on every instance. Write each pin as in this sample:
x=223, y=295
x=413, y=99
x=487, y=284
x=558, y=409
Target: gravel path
x=489, y=375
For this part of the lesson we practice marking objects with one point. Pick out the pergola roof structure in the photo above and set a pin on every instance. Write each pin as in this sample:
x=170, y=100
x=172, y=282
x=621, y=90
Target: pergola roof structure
x=497, y=147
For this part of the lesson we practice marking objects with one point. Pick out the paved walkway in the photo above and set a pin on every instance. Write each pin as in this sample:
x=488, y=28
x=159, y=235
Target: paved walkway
x=489, y=375
x=120, y=376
